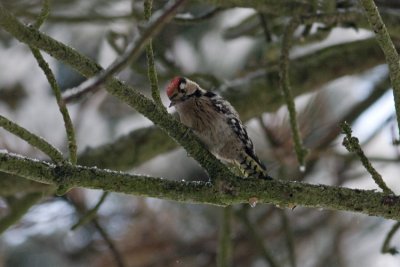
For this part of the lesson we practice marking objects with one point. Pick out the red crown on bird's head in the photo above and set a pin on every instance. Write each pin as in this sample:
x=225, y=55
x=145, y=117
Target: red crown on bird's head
x=173, y=85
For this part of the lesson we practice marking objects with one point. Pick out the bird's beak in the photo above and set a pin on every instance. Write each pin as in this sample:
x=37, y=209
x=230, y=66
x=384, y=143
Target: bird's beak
x=173, y=103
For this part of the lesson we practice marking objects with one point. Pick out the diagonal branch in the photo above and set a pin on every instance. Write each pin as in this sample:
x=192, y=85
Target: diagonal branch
x=69, y=127
x=352, y=145
x=131, y=53
x=388, y=48
x=32, y=139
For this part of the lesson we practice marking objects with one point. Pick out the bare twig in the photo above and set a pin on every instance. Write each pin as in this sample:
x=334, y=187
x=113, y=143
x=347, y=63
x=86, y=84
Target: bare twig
x=386, y=248
x=151, y=68
x=131, y=53
x=44, y=13
x=264, y=25
x=92, y=18
x=54, y=86
x=90, y=214
x=301, y=152
x=352, y=145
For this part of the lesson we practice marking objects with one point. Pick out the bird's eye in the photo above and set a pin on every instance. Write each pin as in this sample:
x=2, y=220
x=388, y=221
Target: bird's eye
x=182, y=85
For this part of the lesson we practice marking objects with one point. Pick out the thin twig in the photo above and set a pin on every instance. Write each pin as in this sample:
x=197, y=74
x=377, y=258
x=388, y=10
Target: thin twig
x=32, y=139
x=44, y=13
x=388, y=48
x=258, y=240
x=301, y=152
x=61, y=104
x=151, y=68
x=386, y=248
x=224, y=258
x=352, y=145
x=90, y=214
x=131, y=53
x=90, y=18
x=264, y=25
x=54, y=86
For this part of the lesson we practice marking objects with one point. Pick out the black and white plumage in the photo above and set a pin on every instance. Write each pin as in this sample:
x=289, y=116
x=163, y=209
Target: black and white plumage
x=217, y=124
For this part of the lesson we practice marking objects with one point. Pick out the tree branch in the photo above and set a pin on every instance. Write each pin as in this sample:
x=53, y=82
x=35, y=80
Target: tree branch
x=301, y=151
x=32, y=139
x=151, y=68
x=278, y=192
x=387, y=46
x=69, y=128
x=352, y=145
x=131, y=53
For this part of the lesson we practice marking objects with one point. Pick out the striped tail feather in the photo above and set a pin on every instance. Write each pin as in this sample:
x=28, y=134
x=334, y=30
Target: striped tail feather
x=251, y=166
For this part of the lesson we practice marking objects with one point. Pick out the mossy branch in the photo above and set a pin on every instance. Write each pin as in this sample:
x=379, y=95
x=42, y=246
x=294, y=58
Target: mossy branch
x=388, y=48
x=151, y=68
x=278, y=192
x=54, y=86
x=352, y=145
x=32, y=139
x=301, y=152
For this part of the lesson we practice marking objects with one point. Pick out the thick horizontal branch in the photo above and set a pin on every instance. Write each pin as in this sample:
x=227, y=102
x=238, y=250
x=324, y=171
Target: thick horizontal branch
x=277, y=192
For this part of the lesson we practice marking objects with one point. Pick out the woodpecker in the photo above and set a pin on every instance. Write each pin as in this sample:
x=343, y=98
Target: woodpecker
x=217, y=124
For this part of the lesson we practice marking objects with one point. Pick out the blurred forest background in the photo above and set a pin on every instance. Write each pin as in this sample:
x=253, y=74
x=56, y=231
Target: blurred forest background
x=338, y=73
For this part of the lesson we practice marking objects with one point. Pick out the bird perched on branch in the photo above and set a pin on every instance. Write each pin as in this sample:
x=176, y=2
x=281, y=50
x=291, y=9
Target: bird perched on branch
x=216, y=123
